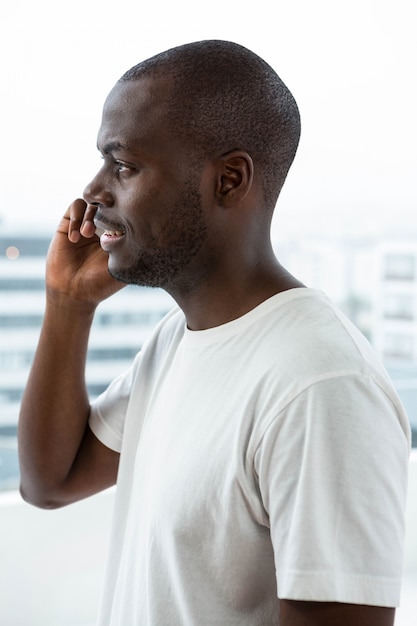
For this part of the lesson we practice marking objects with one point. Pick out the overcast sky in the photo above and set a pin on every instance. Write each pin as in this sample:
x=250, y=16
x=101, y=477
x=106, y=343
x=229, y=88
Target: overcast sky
x=351, y=66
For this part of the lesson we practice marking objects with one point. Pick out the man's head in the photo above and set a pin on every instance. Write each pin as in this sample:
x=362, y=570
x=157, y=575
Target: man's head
x=224, y=97
x=197, y=142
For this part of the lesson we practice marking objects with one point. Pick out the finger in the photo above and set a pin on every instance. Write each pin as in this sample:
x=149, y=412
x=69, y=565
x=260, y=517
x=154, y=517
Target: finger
x=76, y=213
x=88, y=228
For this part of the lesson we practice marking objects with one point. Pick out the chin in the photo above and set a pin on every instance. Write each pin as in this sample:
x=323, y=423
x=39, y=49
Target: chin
x=131, y=276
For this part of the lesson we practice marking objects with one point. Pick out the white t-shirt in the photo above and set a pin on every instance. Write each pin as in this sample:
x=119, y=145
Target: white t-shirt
x=262, y=459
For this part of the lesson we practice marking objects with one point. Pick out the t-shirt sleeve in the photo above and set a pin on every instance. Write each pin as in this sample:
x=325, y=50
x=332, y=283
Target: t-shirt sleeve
x=108, y=411
x=332, y=471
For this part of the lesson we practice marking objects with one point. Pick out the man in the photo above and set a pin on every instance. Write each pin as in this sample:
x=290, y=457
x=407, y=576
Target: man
x=259, y=449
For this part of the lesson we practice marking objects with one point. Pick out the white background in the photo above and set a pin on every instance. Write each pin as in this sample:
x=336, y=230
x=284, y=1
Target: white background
x=351, y=66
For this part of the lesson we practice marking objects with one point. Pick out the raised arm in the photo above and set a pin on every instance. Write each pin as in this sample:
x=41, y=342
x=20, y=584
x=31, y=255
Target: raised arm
x=60, y=459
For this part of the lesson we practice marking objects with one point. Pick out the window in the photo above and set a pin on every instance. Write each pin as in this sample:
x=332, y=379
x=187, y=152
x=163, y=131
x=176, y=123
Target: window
x=399, y=306
x=400, y=267
x=398, y=346
x=353, y=181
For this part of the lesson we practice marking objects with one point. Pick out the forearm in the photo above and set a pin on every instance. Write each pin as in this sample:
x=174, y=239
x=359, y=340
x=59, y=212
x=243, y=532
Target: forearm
x=55, y=405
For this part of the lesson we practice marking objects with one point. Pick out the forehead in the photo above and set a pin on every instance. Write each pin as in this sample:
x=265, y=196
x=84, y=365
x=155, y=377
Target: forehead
x=134, y=111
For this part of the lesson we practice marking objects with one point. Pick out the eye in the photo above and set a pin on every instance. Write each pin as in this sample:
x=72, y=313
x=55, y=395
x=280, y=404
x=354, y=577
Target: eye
x=122, y=167
x=116, y=166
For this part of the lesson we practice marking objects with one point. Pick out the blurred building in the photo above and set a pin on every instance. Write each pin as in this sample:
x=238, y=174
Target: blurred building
x=374, y=283
x=395, y=302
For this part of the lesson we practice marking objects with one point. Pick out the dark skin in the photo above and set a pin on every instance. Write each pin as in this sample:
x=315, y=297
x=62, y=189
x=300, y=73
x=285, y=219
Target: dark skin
x=233, y=268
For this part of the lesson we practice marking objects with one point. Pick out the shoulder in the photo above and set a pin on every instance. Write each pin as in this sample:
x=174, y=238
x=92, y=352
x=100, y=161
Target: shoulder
x=320, y=363
x=316, y=337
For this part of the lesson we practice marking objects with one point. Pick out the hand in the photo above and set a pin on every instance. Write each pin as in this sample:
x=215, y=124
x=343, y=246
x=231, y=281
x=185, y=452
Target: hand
x=76, y=266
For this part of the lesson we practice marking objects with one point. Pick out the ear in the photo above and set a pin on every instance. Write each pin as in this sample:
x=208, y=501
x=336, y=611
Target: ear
x=235, y=177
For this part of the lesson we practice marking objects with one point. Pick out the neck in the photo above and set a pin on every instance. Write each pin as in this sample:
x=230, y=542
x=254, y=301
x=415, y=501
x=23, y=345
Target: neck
x=228, y=295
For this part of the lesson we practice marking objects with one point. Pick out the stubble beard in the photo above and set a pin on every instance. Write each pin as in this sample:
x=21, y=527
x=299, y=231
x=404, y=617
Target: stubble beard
x=169, y=265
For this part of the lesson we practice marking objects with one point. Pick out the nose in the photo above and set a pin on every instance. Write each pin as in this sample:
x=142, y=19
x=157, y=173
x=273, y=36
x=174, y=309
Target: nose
x=97, y=192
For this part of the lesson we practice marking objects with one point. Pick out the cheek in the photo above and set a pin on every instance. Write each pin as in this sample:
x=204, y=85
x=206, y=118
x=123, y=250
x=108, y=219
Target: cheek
x=159, y=211
x=148, y=223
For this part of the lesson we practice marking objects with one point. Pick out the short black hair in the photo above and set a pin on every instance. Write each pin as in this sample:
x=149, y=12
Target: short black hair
x=225, y=97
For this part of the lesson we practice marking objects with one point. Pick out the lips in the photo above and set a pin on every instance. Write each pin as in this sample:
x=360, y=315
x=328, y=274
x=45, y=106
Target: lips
x=111, y=233
x=105, y=227
x=108, y=233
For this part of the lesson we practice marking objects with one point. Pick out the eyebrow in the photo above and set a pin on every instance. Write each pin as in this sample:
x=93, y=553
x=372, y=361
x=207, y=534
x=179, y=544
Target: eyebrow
x=112, y=146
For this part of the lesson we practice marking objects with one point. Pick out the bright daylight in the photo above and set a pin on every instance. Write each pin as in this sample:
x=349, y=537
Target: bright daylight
x=285, y=466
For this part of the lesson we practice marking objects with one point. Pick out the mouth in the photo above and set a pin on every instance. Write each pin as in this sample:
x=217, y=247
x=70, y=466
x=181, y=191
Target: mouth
x=107, y=232
x=105, y=226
